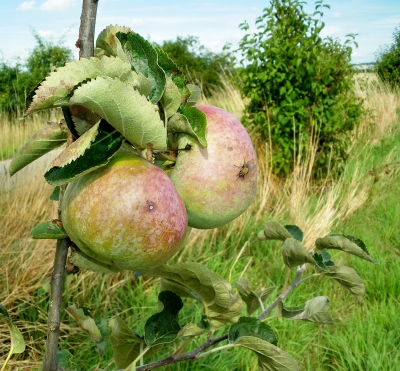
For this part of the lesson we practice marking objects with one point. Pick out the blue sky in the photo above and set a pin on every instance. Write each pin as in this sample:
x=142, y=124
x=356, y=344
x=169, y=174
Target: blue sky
x=214, y=22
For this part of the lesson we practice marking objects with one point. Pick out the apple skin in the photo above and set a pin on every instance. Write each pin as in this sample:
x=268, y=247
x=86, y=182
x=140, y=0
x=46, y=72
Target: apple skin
x=126, y=214
x=219, y=182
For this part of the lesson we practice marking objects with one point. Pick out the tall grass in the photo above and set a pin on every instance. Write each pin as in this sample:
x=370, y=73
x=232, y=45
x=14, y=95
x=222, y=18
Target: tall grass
x=232, y=252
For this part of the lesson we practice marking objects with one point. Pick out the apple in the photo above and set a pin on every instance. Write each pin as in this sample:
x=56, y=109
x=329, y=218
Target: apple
x=126, y=214
x=217, y=183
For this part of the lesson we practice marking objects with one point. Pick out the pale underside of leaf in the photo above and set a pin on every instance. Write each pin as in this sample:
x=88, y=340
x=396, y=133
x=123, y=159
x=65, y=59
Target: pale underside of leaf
x=220, y=305
x=344, y=244
x=295, y=254
x=77, y=148
x=60, y=82
x=270, y=357
x=85, y=322
x=125, y=109
x=253, y=300
x=17, y=340
x=274, y=231
x=108, y=41
x=347, y=277
x=315, y=310
x=48, y=138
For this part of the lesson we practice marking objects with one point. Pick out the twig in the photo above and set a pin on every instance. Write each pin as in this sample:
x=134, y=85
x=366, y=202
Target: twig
x=86, y=45
x=283, y=295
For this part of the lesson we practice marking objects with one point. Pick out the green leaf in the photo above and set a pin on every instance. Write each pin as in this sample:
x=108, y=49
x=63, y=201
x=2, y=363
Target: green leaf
x=347, y=277
x=172, y=71
x=270, y=357
x=323, y=260
x=49, y=230
x=171, y=99
x=144, y=59
x=163, y=327
x=315, y=310
x=198, y=123
x=274, y=231
x=17, y=340
x=348, y=244
x=64, y=360
x=220, y=306
x=108, y=41
x=125, y=109
x=126, y=345
x=295, y=231
x=295, y=254
x=81, y=260
x=55, y=195
x=191, y=330
x=193, y=96
x=251, y=298
x=249, y=326
x=85, y=322
x=51, y=136
x=105, y=332
x=92, y=150
x=178, y=123
x=60, y=82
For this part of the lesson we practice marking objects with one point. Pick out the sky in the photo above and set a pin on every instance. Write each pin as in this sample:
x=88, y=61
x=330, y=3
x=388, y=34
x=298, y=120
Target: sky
x=215, y=23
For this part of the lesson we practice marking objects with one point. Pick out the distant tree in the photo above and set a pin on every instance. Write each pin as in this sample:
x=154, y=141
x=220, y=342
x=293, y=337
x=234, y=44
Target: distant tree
x=18, y=79
x=205, y=66
x=388, y=61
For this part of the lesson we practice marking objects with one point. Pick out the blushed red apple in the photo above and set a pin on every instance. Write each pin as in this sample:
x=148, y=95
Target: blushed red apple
x=217, y=183
x=127, y=214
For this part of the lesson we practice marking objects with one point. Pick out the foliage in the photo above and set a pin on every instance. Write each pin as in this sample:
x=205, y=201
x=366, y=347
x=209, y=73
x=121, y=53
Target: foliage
x=201, y=65
x=299, y=86
x=388, y=61
x=18, y=80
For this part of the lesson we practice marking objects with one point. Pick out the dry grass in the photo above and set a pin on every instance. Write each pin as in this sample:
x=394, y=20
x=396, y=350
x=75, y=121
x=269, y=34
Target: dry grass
x=15, y=131
x=26, y=264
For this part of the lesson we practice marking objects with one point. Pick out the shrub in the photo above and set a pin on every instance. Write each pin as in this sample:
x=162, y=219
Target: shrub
x=388, y=61
x=297, y=84
x=205, y=66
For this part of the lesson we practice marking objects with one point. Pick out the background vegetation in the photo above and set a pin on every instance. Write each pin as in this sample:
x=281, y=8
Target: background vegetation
x=388, y=61
x=18, y=79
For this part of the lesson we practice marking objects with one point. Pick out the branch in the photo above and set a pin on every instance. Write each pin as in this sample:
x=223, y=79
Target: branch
x=283, y=296
x=86, y=30
x=86, y=45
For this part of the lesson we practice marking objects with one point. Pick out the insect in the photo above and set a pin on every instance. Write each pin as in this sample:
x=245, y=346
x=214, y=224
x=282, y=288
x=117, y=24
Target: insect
x=244, y=169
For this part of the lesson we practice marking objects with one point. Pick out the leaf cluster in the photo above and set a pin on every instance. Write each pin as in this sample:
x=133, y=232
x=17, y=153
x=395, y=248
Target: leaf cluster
x=130, y=94
x=299, y=86
x=194, y=284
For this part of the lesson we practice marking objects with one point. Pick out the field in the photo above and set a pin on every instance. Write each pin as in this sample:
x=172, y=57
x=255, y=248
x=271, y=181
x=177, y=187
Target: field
x=363, y=202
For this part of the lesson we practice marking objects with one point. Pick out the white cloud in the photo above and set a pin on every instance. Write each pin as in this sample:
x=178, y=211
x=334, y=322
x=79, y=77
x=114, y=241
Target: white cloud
x=26, y=5
x=45, y=33
x=57, y=4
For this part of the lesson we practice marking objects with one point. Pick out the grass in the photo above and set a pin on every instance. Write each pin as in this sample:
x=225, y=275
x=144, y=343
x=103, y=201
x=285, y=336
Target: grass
x=363, y=202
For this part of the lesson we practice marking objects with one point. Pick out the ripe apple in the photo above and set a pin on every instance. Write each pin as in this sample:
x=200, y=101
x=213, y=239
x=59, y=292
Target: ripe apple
x=217, y=183
x=127, y=214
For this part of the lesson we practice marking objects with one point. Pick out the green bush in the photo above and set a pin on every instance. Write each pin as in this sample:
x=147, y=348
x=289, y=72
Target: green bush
x=297, y=84
x=388, y=61
x=205, y=66
x=19, y=79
